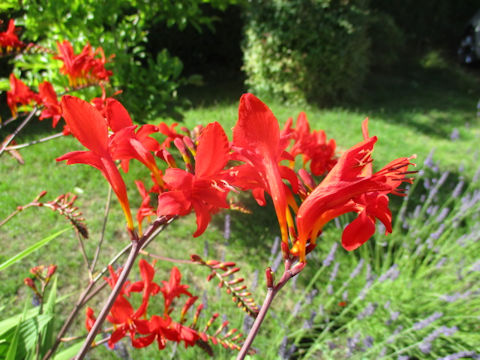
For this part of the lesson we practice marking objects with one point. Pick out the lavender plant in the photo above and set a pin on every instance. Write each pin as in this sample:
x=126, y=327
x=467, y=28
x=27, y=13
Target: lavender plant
x=412, y=295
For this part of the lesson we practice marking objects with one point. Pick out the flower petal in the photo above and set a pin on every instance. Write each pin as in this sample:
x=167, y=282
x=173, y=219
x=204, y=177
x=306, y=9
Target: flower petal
x=86, y=124
x=212, y=152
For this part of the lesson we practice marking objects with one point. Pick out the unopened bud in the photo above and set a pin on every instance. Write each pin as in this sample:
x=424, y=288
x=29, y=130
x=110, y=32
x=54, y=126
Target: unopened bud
x=51, y=271
x=297, y=268
x=285, y=250
x=270, y=277
x=29, y=282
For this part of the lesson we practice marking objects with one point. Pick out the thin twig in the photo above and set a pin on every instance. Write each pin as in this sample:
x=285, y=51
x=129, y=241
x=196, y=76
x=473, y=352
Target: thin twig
x=104, y=226
x=94, y=292
x=163, y=258
x=18, y=129
x=157, y=226
x=111, y=299
x=272, y=291
x=84, y=254
x=4, y=221
x=136, y=245
x=20, y=146
x=8, y=121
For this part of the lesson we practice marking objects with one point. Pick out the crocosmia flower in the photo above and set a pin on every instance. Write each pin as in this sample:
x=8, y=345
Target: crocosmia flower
x=9, y=39
x=257, y=142
x=312, y=146
x=206, y=190
x=90, y=128
x=349, y=187
x=83, y=68
x=52, y=108
x=19, y=93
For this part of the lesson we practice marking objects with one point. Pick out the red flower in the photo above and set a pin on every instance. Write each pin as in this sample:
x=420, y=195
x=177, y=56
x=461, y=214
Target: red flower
x=125, y=144
x=89, y=318
x=173, y=288
x=122, y=314
x=9, y=39
x=312, y=146
x=257, y=142
x=90, y=128
x=51, y=105
x=157, y=328
x=145, y=209
x=124, y=317
x=349, y=188
x=19, y=93
x=84, y=68
x=169, y=132
x=206, y=190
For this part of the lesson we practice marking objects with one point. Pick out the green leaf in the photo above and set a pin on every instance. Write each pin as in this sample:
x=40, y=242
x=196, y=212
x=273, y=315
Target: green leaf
x=7, y=324
x=12, y=349
x=31, y=249
x=47, y=336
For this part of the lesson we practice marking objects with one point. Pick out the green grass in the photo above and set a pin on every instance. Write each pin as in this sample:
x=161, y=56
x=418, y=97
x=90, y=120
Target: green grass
x=412, y=111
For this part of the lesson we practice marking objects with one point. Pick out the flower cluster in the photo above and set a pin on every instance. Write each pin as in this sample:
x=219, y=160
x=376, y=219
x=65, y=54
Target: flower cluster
x=253, y=161
x=42, y=274
x=144, y=330
x=9, y=41
x=85, y=68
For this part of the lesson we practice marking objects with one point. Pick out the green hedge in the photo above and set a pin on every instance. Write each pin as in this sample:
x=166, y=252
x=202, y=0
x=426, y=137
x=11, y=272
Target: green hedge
x=306, y=50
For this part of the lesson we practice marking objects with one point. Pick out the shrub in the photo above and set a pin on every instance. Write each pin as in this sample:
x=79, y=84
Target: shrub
x=121, y=27
x=306, y=50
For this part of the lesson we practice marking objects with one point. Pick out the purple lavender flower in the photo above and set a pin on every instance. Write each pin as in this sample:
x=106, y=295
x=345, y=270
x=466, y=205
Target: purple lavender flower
x=205, y=249
x=392, y=273
x=441, y=262
x=425, y=347
x=461, y=355
x=331, y=255
x=458, y=189
x=365, y=289
x=277, y=262
x=329, y=289
x=247, y=323
x=254, y=281
x=455, y=134
x=204, y=300
x=275, y=246
x=357, y=269
x=429, y=159
x=368, y=341
x=427, y=321
x=368, y=311
x=282, y=349
x=443, y=214
x=333, y=274
x=352, y=343
x=226, y=231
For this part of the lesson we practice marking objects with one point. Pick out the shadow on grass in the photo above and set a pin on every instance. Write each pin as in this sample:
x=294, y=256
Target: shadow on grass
x=432, y=100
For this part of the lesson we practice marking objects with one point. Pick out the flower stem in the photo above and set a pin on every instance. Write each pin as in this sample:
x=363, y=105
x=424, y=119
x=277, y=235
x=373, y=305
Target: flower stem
x=17, y=130
x=272, y=290
x=136, y=246
x=256, y=325
x=21, y=146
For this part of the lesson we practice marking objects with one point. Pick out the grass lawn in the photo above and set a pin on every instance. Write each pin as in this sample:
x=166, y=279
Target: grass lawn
x=412, y=111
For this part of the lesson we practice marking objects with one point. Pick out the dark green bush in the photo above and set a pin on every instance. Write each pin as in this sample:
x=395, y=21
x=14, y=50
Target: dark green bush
x=306, y=50
x=429, y=23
